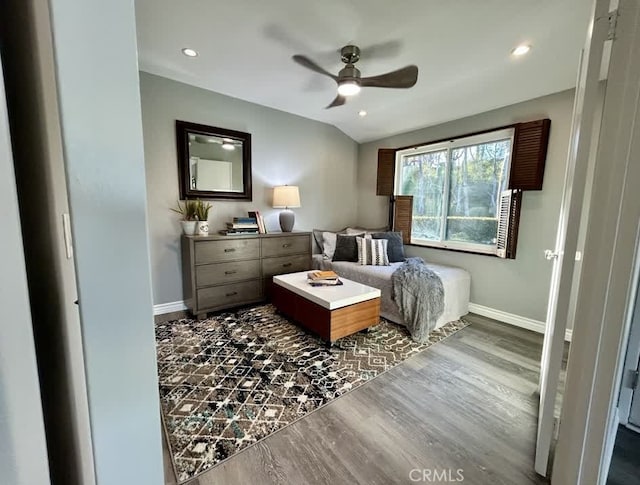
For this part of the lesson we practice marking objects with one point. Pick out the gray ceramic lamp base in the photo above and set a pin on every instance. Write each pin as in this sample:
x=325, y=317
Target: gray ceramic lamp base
x=287, y=220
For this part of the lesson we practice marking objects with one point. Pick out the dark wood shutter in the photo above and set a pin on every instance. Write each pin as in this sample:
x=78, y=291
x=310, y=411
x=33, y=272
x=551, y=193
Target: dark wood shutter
x=386, y=171
x=508, y=223
x=529, y=155
x=402, y=216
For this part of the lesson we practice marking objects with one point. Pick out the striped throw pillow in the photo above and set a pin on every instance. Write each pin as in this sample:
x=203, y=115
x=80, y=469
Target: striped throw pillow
x=372, y=252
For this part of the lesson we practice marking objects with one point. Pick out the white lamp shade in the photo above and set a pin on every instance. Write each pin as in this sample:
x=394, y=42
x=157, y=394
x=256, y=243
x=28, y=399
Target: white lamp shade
x=286, y=196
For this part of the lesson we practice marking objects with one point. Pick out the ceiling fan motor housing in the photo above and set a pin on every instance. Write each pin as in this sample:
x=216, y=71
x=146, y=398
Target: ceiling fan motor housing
x=350, y=54
x=349, y=72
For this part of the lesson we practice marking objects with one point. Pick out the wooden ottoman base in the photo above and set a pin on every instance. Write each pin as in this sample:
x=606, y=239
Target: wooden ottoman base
x=328, y=324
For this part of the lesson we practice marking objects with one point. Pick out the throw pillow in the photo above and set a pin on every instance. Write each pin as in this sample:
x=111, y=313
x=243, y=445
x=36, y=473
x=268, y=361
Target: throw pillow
x=328, y=244
x=395, y=249
x=346, y=249
x=372, y=251
x=317, y=237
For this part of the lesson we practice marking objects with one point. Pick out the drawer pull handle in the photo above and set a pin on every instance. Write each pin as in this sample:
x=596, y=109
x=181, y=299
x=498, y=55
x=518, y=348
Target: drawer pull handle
x=286, y=265
x=286, y=245
x=229, y=250
x=230, y=272
x=233, y=293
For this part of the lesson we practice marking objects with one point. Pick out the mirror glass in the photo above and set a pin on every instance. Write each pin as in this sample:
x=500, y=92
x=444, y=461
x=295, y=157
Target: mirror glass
x=213, y=163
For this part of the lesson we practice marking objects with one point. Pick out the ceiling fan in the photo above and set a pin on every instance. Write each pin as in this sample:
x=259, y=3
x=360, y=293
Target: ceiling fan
x=350, y=81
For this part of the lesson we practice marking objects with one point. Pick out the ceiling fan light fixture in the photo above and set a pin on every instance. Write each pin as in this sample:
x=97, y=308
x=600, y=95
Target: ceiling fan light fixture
x=348, y=88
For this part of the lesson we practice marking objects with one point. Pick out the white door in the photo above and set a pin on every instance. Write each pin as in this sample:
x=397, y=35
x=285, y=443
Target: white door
x=214, y=175
x=563, y=255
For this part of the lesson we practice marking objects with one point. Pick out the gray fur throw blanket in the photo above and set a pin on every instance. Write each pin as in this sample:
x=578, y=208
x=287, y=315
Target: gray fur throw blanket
x=419, y=294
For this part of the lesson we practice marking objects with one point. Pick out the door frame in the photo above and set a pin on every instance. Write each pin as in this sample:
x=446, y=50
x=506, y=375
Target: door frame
x=609, y=272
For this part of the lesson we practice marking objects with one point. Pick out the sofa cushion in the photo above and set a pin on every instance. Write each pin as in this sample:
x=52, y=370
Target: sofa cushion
x=350, y=231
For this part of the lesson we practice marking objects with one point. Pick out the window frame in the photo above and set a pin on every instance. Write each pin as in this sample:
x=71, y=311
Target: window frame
x=507, y=133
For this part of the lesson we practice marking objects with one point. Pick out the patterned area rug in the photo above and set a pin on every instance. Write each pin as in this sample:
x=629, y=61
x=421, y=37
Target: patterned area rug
x=231, y=380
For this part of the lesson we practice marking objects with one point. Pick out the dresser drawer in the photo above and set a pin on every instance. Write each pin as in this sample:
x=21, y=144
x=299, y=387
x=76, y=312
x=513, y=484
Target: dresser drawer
x=228, y=295
x=221, y=273
x=280, y=246
x=226, y=250
x=285, y=264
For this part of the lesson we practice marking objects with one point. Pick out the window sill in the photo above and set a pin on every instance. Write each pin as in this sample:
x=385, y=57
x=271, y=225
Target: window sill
x=454, y=249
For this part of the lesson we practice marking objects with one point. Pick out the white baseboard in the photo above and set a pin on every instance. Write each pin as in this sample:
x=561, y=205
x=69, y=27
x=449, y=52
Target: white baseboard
x=174, y=306
x=512, y=319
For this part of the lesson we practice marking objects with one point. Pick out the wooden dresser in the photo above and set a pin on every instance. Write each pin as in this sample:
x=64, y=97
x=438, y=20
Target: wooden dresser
x=226, y=271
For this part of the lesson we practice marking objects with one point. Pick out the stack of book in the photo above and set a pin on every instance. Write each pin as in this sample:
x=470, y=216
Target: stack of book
x=252, y=224
x=242, y=225
x=323, y=278
x=260, y=220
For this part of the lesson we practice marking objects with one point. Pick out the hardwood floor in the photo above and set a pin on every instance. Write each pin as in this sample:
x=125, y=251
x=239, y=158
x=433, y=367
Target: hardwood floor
x=625, y=464
x=468, y=403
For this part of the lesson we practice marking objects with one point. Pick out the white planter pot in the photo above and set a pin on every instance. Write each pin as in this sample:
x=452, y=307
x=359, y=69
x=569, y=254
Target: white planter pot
x=202, y=228
x=188, y=227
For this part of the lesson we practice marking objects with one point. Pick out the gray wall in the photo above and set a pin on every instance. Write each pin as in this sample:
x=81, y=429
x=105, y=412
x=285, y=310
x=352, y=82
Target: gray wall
x=517, y=286
x=23, y=452
x=287, y=149
x=99, y=100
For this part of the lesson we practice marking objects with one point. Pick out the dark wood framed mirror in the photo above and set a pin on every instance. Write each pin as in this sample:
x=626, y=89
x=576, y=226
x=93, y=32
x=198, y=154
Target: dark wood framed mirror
x=213, y=163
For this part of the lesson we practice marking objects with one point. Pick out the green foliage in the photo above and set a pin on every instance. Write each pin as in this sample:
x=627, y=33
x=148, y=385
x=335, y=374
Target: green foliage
x=479, y=231
x=426, y=228
x=186, y=210
x=465, y=200
x=202, y=210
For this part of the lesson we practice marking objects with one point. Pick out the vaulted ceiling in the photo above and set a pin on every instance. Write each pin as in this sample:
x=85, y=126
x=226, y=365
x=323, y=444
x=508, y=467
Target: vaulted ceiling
x=462, y=48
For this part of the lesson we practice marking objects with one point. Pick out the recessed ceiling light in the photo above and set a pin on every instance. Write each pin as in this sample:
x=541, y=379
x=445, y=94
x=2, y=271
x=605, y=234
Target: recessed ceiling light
x=189, y=52
x=362, y=113
x=521, y=50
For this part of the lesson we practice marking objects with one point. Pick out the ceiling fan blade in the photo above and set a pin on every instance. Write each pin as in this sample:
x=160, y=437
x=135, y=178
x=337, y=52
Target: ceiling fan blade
x=309, y=64
x=339, y=101
x=383, y=50
x=402, y=78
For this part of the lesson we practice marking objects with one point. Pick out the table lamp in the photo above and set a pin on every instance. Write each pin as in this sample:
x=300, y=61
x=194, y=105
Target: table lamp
x=286, y=196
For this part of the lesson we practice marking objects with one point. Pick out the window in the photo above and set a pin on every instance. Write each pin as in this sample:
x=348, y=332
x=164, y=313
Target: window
x=457, y=187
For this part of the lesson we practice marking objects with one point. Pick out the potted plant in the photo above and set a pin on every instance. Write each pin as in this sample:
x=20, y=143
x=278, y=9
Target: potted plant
x=189, y=217
x=202, y=216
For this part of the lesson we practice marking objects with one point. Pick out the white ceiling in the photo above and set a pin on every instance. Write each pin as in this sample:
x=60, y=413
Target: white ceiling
x=462, y=48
